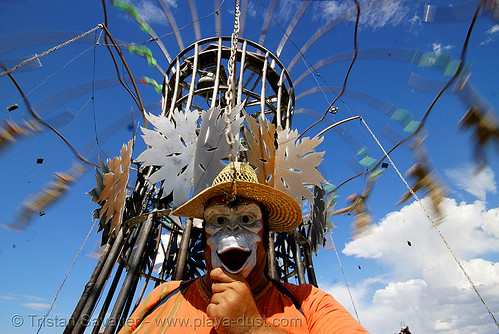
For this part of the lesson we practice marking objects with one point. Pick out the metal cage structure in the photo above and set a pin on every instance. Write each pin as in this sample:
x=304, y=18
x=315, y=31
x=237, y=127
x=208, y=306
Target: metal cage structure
x=152, y=247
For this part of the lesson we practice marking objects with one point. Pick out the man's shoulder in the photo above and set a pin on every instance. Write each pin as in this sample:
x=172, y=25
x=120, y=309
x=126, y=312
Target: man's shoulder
x=303, y=289
x=162, y=290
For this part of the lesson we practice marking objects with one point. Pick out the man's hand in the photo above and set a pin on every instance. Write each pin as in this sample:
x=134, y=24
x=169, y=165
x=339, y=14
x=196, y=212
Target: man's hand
x=232, y=301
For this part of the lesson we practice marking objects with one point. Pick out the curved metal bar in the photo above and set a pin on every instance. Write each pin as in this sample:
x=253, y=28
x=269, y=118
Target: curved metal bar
x=242, y=18
x=218, y=18
x=403, y=55
x=173, y=23
x=195, y=20
x=292, y=25
x=318, y=34
x=266, y=23
x=225, y=55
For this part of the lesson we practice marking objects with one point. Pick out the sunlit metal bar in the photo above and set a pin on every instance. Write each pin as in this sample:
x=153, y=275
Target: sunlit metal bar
x=193, y=77
x=241, y=73
x=195, y=20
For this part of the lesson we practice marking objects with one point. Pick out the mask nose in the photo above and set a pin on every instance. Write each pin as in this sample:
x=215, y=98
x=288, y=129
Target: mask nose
x=233, y=225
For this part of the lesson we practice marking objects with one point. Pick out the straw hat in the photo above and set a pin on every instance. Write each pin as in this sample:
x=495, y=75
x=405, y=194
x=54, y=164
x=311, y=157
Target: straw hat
x=284, y=212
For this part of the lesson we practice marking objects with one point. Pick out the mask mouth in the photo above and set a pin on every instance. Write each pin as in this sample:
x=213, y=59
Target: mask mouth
x=234, y=259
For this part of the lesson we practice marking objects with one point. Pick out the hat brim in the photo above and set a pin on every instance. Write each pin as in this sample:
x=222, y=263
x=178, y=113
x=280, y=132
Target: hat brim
x=284, y=212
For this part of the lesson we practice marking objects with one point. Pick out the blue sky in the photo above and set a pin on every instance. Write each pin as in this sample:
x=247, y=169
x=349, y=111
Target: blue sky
x=389, y=280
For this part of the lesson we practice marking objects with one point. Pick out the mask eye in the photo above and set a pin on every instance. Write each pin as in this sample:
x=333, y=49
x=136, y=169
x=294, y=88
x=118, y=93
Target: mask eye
x=245, y=219
x=220, y=220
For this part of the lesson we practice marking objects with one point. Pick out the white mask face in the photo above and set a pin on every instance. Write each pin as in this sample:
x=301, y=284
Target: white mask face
x=234, y=235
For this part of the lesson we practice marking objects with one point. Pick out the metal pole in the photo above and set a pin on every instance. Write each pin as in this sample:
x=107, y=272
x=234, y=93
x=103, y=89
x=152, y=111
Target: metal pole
x=271, y=258
x=310, y=267
x=103, y=276
x=135, y=279
x=109, y=297
x=183, y=251
x=151, y=265
x=134, y=263
x=173, y=238
x=88, y=288
x=298, y=260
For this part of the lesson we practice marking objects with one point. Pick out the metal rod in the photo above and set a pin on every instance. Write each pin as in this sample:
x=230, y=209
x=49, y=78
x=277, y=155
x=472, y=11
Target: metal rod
x=175, y=92
x=171, y=240
x=173, y=23
x=193, y=77
x=298, y=261
x=89, y=287
x=218, y=18
x=271, y=258
x=285, y=254
x=241, y=74
x=109, y=298
x=82, y=322
x=279, y=93
x=312, y=279
x=151, y=265
x=132, y=272
x=264, y=81
x=217, y=76
x=183, y=251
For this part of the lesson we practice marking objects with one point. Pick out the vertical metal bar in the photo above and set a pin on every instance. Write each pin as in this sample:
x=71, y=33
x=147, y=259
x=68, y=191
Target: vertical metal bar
x=286, y=251
x=298, y=261
x=264, y=81
x=217, y=77
x=89, y=287
x=218, y=18
x=134, y=266
x=310, y=267
x=151, y=265
x=183, y=251
x=107, y=301
x=164, y=96
x=288, y=111
x=175, y=91
x=241, y=74
x=80, y=326
x=271, y=257
x=193, y=77
x=171, y=239
x=279, y=93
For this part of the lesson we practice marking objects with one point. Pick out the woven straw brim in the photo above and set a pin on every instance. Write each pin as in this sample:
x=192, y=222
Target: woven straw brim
x=284, y=212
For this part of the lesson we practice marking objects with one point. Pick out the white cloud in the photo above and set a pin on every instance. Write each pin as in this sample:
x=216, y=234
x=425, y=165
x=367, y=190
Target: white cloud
x=151, y=13
x=287, y=9
x=423, y=285
x=489, y=38
x=477, y=184
x=374, y=13
x=16, y=297
x=252, y=9
x=438, y=48
x=37, y=306
x=493, y=29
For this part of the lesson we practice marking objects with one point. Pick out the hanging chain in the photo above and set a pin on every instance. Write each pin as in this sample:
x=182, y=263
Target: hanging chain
x=229, y=98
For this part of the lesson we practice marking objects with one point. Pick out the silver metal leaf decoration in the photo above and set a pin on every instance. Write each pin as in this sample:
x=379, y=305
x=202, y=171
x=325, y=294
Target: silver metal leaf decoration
x=95, y=194
x=212, y=146
x=296, y=164
x=321, y=210
x=172, y=148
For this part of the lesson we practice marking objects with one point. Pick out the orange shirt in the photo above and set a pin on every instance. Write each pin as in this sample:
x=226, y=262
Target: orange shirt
x=185, y=311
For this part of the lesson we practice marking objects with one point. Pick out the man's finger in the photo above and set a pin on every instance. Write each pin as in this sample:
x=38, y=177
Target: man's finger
x=216, y=299
x=219, y=287
x=220, y=275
